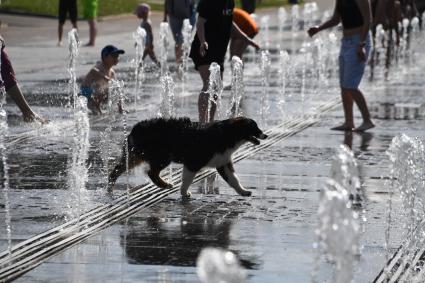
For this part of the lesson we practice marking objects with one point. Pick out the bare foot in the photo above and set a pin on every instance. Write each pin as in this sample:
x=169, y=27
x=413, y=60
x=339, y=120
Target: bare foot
x=89, y=44
x=365, y=126
x=343, y=127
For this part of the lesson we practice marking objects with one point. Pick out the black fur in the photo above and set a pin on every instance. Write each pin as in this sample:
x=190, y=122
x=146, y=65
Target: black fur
x=162, y=141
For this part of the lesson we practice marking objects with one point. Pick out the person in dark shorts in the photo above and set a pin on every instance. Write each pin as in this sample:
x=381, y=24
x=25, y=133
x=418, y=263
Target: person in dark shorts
x=356, y=18
x=10, y=84
x=213, y=29
x=66, y=7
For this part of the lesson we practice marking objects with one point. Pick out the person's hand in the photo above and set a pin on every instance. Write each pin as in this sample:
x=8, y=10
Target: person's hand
x=313, y=30
x=361, y=52
x=203, y=48
x=255, y=45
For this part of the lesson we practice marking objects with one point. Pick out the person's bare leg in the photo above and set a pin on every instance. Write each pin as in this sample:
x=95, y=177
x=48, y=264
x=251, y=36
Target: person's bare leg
x=358, y=97
x=60, y=33
x=28, y=114
x=347, y=104
x=179, y=53
x=92, y=32
x=237, y=48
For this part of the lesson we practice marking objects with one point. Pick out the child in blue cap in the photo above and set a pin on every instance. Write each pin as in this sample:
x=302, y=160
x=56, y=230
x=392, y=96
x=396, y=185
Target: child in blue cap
x=95, y=85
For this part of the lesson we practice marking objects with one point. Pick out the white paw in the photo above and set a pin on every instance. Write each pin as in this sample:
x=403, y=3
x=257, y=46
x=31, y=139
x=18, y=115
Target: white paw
x=186, y=195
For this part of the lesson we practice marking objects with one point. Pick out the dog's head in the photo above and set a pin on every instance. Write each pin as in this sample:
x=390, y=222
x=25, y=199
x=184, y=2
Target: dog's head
x=248, y=130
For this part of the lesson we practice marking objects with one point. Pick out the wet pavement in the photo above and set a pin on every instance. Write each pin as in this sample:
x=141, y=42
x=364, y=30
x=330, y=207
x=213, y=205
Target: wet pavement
x=272, y=233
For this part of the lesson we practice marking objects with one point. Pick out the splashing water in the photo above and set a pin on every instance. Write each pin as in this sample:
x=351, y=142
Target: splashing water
x=407, y=157
x=264, y=24
x=116, y=90
x=140, y=38
x=5, y=167
x=237, y=87
x=215, y=88
x=265, y=83
x=283, y=73
x=106, y=135
x=337, y=232
x=282, y=16
x=187, y=37
x=345, y=172
x=73, y=45
x=339, y=229
x=77, y=170
x=295, y=15
x=320, y=64
x=166, y=108
x=215, y=265
x=163, y=47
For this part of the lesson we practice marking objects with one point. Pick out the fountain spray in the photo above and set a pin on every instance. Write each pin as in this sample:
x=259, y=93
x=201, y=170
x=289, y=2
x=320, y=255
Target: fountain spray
x=164, y=44
x=140, y=38
x=5, y=167
x=237, y=87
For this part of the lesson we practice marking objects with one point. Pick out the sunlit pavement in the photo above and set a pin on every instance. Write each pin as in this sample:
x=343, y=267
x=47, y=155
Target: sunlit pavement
x=272, y=232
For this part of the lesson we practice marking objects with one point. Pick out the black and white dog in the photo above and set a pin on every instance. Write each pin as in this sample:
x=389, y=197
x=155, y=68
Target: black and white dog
x=162, y=141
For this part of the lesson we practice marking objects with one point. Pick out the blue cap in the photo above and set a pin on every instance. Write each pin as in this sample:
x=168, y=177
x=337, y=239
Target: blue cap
x=110, y=49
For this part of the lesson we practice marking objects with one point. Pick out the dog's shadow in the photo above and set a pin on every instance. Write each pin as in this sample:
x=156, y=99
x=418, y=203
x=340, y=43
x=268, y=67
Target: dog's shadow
x=174, y=234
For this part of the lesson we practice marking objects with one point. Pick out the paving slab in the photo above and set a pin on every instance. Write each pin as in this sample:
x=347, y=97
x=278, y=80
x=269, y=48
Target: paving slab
x=272, y=233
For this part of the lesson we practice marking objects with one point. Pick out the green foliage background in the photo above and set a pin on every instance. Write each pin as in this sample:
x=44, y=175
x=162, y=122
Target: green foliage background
x=105, y=7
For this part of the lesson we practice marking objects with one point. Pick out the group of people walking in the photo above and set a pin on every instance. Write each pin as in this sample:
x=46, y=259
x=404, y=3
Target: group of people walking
x=218, y=23
x=68, y=8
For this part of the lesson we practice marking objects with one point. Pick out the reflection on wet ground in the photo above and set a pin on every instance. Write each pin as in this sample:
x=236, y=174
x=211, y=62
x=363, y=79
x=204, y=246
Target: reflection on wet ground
x=272, y=233
x=174, y=234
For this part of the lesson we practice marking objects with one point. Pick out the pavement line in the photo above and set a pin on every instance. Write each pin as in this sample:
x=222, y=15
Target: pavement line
x=409, y=255
x=32, y=252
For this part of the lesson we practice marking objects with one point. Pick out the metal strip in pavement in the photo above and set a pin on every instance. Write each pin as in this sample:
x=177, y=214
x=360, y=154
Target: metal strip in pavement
x=32, y=252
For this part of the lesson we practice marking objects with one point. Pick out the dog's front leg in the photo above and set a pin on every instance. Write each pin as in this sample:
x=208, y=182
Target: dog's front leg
x=227, y=172
x=153, y=173
x=187, y=179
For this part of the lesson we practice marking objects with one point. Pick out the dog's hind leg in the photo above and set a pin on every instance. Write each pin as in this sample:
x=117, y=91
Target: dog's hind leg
x=187, y=179
x=227, y=172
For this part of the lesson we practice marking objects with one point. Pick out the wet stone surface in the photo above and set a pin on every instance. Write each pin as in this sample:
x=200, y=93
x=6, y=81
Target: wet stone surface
x=272, y=233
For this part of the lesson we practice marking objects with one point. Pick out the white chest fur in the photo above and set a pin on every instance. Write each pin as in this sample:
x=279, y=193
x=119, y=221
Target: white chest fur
x=220, y=159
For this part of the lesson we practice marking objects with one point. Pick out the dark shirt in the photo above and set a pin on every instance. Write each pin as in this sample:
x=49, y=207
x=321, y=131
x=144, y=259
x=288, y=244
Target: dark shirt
x=218, y=25
x=219, y=16
x=350, y=13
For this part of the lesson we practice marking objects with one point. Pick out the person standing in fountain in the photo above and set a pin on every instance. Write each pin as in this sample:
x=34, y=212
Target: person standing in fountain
x=177, y=11
x=66, y=7
x=356, y=19
x=142, y=12
x=10, y=84
x=213, y=29
x=90, y=14
x=95, y=86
